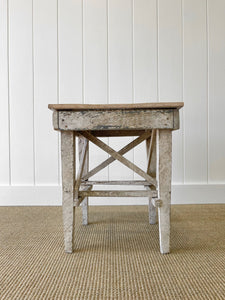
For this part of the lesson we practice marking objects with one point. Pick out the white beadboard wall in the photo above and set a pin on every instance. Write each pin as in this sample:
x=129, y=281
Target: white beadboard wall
x=111, y=51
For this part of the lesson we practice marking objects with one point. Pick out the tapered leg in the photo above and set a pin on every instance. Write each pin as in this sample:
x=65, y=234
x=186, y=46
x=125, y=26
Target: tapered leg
x=151, y=170
x=86, y=167
x=152, y=212
x=164, y=164
x=68, y=153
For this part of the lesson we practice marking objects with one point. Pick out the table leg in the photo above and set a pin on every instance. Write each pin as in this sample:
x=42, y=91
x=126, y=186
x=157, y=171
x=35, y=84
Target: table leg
x=151, y=212
x=151, y=170
x=68, y=152
x=164, y=165
x=86, y=168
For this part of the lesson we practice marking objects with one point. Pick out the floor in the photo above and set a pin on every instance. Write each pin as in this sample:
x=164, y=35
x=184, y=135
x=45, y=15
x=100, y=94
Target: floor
x=117, y=255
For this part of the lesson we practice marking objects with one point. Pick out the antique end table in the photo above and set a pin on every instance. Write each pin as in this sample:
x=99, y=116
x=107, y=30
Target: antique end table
x=150, y=122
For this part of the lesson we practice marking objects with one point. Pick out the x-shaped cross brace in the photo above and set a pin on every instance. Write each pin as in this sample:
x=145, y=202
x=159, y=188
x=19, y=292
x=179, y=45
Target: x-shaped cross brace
x=114, y=156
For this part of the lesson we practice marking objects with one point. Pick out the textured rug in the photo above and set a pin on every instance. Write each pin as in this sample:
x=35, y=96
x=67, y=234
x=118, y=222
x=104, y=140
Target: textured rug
x=117, y=255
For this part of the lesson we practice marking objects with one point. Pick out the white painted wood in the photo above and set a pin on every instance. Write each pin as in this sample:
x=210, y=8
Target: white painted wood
x=51, y=195
x=95, y=31
x=151, y=212
x=4, y=113
x=68, y=154
x=97, y=156
x=119, y=193
x=116, y=182
x=170, y=50
x=140, y=158
x=21, y=92
x=95, y=51
x=122, y=34
x=116, y=170
x=70, y=56
x=150, y=144
x=120, y=50
x=45, y=90
x=151, y=165
x=216, y=23
x=82, y=200
x=195, y=90
x=145, y=50
x=81, y=145
x=164, y=168
x=85, y=209
x=157, y=202
x=116, y=119
x=170, y=70
x=70, y=50
x=198, y=193
x=122, y=151
x=120, y=62
x=119, y=157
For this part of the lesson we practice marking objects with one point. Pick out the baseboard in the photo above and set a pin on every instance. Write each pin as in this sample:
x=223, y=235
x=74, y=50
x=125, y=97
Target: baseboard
x=30, y=195
x=51, y=195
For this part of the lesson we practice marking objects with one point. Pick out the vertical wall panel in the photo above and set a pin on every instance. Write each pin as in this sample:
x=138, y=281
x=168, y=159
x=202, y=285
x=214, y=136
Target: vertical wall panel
x=120, y=70
x=145, y=50
x=170, y=70
x=120, y=51
x=145, y=62
x=70, y=51
x=95, y=46
x=216, y=22
x=95, y=51
x=73, y=51
x=21, y=91
x=170, y=50
x=4, y=113
x=195, y=91
x=70, y=56
x=45, y=90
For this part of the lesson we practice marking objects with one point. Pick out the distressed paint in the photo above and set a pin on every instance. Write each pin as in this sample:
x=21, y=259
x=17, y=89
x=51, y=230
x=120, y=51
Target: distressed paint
x=122, y=151
x=119, y=157
x=159, y=152
x=164, y=165
x=81, y=144
x=68, y=152
x=117, y=182
x=116, y=119
x=176, y=119
x=125, y=193
x=151, y=161
x=151, y=212
x=55, y=120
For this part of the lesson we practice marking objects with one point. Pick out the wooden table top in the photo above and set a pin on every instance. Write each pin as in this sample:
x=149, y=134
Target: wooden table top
x=153, y=105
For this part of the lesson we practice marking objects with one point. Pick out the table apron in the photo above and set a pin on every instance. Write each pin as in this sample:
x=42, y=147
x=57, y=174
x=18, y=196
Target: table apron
x=116, y=119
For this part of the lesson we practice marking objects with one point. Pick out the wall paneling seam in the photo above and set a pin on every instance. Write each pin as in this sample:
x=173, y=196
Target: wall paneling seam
x=9, y=106
x=157, y=46
x=207, y=66
x=182, y=89
x=33, y=87
x=107, y=57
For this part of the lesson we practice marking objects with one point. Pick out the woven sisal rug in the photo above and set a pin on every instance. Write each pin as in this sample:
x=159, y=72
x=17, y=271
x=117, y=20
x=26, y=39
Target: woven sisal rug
x=117, y=255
